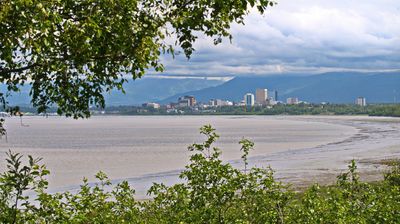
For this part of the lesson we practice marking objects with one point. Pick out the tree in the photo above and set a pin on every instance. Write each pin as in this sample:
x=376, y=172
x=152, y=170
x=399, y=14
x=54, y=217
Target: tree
x=72, y=51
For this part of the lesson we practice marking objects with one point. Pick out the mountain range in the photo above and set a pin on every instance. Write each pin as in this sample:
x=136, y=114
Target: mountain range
x=146, y=89
x=337, y=87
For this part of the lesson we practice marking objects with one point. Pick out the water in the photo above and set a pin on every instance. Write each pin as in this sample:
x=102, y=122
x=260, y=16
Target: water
x=152, y=148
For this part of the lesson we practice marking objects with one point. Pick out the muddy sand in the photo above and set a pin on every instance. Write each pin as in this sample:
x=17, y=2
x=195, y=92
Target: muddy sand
x=301, y=149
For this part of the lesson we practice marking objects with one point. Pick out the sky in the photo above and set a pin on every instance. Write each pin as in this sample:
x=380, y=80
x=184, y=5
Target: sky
x=302, y=37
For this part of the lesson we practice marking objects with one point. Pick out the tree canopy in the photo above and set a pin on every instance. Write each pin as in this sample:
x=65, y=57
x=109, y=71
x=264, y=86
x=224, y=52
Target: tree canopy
x=72, y=51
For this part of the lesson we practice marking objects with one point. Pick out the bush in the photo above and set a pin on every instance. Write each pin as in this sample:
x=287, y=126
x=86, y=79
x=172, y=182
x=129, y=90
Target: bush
x=393, y=176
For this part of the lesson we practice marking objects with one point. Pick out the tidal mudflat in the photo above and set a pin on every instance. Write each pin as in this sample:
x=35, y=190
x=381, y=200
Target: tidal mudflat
x=146, y=149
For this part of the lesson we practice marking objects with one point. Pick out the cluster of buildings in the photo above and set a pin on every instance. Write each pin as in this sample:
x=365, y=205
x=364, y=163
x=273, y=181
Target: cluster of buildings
x=151, y=105
x=361, y=101
x=190, y=101
x=261, y=98
x=292, y=101
x=220, y=103
x=186, y=101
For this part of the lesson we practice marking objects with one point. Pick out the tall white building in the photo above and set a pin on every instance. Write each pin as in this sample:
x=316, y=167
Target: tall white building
x=261, y=96
x=249, y=99
x=361, y=101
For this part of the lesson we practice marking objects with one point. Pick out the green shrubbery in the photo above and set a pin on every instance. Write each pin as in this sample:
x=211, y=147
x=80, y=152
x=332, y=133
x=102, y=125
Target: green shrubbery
x=212, y=192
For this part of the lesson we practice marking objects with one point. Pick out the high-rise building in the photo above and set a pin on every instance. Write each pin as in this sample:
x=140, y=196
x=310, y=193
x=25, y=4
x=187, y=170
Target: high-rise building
x=192, y=100
x=261, y=96
x=187, y=101
x=361, y=101
x=249, y=99
x=276, y=95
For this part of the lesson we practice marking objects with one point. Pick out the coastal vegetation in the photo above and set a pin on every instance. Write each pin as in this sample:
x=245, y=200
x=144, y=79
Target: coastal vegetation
x=387, y=110
x=391, y=110
x=210, y=191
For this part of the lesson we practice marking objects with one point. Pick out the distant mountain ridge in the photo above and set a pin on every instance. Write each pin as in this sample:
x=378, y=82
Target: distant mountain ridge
x=147, y=89
x=155, y=89
x=334, y=87
x=337, y=87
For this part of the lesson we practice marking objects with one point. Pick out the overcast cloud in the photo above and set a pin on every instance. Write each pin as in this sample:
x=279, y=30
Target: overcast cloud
x=303, y=36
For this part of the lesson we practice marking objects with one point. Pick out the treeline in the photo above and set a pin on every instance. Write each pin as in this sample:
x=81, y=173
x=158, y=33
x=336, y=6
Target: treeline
x=387, y=110
x=211, y=191
x=329, y=109
x=281, y=109
x=392, y=110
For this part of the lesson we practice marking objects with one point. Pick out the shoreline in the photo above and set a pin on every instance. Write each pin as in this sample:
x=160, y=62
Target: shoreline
x=214, y=115
x=374, y=142
x=299, y=166
x=370, y=169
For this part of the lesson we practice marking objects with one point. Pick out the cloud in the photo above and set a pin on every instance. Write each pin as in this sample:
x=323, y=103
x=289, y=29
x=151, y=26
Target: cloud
x=303, y=36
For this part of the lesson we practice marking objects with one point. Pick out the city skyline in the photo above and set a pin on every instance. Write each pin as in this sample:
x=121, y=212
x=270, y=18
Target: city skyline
x=260, y=98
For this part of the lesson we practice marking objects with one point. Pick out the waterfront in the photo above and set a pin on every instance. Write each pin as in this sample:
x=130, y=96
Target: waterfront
x=144, y=149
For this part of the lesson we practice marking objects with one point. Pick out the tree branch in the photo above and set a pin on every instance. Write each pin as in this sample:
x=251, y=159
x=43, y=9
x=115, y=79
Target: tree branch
x=17, y=70
x=4, y=71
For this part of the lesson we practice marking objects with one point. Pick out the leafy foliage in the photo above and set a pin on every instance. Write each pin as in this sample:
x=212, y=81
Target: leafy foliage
x=349, y=201
x=393, y=177
x=18, y=179
x=211, y=192
x=72, y=51
x=215, y=192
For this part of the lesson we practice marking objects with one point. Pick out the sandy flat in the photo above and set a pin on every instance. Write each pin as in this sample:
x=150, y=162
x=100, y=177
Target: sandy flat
x=146, y=149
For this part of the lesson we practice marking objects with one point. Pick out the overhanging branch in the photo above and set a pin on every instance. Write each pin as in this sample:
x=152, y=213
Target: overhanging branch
x=17, y=70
